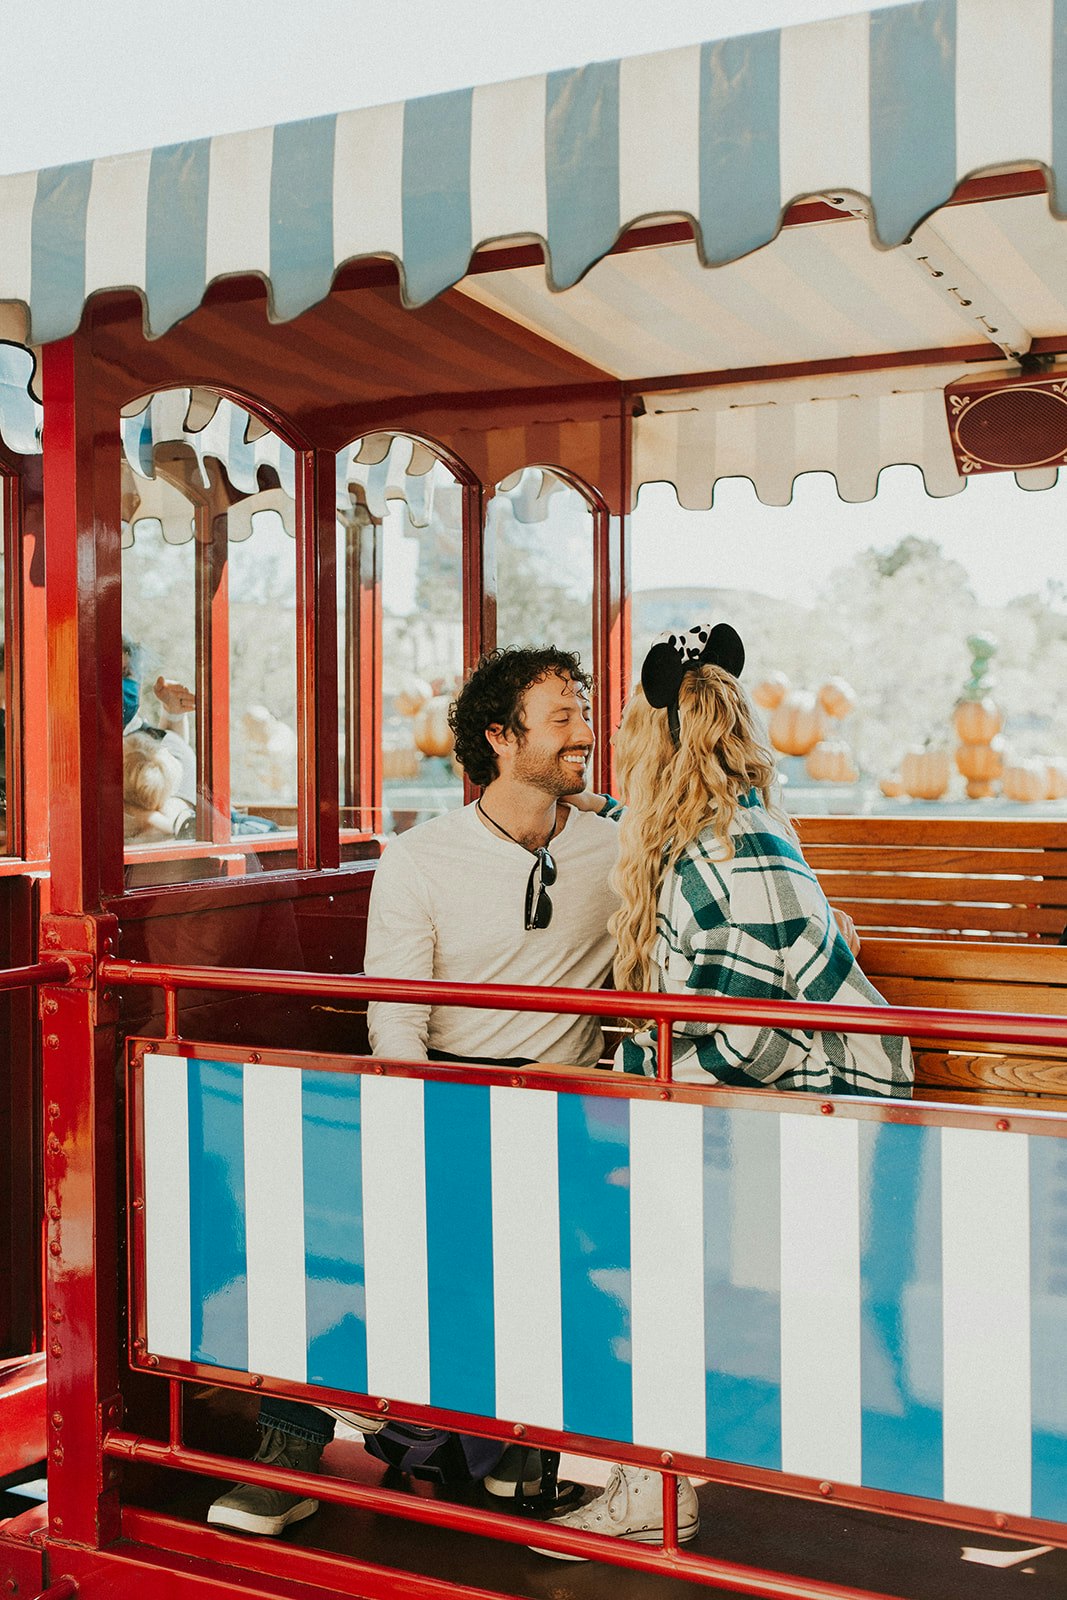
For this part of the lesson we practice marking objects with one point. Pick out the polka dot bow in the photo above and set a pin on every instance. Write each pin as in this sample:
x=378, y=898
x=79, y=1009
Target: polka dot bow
x=675, y=653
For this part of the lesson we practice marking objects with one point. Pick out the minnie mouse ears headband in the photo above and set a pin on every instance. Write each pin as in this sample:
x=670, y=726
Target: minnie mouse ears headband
x=675, y=654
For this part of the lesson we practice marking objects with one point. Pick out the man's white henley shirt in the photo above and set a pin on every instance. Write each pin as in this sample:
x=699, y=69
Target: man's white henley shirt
x=448, y=901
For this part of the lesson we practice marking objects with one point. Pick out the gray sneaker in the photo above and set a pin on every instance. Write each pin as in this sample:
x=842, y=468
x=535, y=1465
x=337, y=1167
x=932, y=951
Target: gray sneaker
x=248, y=1508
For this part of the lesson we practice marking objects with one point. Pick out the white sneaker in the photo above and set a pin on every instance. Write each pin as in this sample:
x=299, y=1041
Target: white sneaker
x=631, y=1507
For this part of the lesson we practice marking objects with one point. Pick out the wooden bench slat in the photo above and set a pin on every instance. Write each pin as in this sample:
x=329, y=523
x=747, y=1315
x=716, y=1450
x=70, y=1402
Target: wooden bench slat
x=969, y=995
x=982, y=1097
x=948, y=958
x=945, y=890
x=1004, y=833
x=955, y=861
x=1021, y=1074
x=1020, y=920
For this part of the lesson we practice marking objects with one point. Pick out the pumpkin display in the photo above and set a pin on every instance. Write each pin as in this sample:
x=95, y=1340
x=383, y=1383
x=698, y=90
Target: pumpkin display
x=797, y=723
x=925, y=773
x=1026, y=781
x=401, y=762
x=413, y=695
x=771, y=690
x=981, y=765
x=978, y=721
x=837, y=698
x=892, y=786
x=831, y=761
x=1057, y=779
x=433, y=736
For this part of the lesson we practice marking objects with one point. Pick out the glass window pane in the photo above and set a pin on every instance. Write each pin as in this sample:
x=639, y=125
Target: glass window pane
x=543, y=532
x=209, y=572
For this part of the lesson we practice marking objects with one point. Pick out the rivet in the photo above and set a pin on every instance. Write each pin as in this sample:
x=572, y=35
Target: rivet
x=57, y=1453
x=519, y=1431
x=53, y=1146
x=152, y=1361
x=138, y=1204
x=1003, y=1125
x=827, y=1108
x=254, y=1056
x=57, y=1419
x=518, y=1081
x=53, y=1109
x=55, y=1348
x=383, y=1405
x=151, y=1047
x=55, y=1314
x=1000, y=1520
x=51, y=936
x=52, y=1041
x=51, y=1007
x=57, y=1523
x=379, y=1070
x=665, y=1094
x=55, y=1213
x=55, y=1248
x=11, y=1586
x=667, y=1459
x=257, y=1382
x=826, y=1488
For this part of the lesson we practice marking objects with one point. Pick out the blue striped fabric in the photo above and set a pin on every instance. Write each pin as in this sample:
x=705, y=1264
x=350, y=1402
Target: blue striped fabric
x=176, y=232
x=301, y=215
x=436, y=193
x=913, y=113
x=740, y=193
x=911, y=127
x=914, y=1422
x=581, y=167
x=57, y=250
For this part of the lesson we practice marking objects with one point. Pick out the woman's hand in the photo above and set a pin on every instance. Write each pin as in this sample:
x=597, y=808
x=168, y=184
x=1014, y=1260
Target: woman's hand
x=588, y=800
x=847, y=929
x=174, y=697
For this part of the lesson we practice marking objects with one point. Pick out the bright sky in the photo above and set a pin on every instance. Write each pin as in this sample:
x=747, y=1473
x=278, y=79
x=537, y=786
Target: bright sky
x=1010, y=542
x=96, y=77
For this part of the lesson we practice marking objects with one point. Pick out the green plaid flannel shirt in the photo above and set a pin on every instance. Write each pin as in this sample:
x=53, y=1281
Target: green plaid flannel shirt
x=759, y=927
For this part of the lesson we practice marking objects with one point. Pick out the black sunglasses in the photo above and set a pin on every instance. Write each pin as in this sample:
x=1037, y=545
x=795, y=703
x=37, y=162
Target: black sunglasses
x=542, y=877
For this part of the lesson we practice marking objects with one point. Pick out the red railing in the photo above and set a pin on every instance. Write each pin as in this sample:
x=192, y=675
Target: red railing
x=664, y=1010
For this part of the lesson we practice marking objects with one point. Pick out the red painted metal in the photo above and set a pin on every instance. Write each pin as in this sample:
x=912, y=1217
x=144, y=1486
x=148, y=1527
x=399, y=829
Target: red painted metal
x=62, y=1589
x=22, y=1413
x=212, y=589
x=926, y=1022
x=316, y=660
x=39, y=972
x=493, y=1524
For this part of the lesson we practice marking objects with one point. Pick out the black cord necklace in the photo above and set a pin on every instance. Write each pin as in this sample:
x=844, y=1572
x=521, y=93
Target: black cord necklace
x=501, y=829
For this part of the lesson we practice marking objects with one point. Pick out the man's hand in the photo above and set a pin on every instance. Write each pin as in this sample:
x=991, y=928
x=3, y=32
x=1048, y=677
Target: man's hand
x=174, y=697
x=847, y=929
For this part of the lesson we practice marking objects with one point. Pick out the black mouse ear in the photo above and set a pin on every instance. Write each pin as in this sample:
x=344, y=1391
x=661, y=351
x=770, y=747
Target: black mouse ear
x=724, y=649
x=661, y=674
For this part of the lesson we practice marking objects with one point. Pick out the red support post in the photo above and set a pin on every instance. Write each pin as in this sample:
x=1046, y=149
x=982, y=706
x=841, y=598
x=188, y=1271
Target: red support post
x=316, y=660
x=212, y=580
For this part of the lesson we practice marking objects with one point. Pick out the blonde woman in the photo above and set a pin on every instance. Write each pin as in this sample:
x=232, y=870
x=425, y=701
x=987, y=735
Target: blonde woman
x=152, y=811
x=716, y=897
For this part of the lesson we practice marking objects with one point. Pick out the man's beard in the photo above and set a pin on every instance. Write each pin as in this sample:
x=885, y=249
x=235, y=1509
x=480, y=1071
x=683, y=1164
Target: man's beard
x=553, y=774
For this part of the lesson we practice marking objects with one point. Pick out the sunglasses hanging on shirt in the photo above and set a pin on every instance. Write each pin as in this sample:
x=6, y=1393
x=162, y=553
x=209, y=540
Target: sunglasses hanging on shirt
x=542, y=877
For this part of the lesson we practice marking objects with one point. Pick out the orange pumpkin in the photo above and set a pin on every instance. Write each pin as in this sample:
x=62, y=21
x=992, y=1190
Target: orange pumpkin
x=925, y=773
x=797, y=724
x=400, y=763
x=1057, y=779
x=831, y=762
x=771, y=690
x=981, y=762
x=892, y=786
x=837, y=697
x=978, y=721
x=433, y=736
x=1026, y=781
x=413, y=695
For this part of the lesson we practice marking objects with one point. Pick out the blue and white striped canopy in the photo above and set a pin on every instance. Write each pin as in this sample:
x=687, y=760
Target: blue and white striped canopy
x=897, y=105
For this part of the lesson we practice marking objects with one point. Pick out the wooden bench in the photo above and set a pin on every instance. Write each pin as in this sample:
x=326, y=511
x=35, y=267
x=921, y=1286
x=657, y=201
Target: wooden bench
x=961, y=913
x=943, y=877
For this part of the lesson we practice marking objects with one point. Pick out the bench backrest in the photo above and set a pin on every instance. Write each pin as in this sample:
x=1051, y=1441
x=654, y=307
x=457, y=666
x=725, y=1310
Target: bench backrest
x=943, y=877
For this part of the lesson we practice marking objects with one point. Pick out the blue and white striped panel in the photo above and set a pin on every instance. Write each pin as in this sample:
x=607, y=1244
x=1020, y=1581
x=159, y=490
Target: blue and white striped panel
x=898, y=104
x=875, y=1304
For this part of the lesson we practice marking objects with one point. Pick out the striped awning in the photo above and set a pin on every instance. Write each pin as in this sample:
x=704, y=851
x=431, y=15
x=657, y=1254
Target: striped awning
x=895, y=107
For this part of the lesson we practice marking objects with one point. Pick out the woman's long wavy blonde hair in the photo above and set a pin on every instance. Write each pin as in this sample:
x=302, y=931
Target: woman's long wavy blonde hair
x=674, y=794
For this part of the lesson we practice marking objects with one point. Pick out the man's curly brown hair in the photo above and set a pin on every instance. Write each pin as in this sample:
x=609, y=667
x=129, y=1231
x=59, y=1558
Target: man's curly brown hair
x=494, y=693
